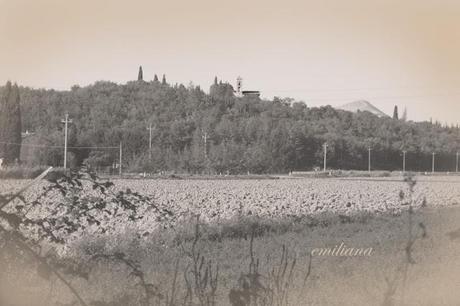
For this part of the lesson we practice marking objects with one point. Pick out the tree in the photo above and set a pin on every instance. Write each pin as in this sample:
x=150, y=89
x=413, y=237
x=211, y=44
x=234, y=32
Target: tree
x=215, y=80
x=140, y=76
x=163, y=81
x=288, y=135
x=155, y=78
x=404, y=116
x=10, y=124
x=395, y=113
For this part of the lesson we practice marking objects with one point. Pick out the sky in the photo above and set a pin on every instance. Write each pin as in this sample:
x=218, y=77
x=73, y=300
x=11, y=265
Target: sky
x=388, y=52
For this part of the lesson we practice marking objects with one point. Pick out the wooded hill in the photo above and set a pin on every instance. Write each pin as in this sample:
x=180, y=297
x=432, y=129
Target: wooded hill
x=242, y=133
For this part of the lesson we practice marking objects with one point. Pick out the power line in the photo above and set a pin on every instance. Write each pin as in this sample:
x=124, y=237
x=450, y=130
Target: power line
x=361, y=89
x=54, y=147
x=325, y=99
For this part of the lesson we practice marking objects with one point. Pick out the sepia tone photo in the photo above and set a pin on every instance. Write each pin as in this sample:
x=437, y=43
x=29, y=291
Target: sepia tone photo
x=240, y=153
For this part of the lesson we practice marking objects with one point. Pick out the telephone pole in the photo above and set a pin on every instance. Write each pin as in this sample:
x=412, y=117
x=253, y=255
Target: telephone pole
x=325, y=155
x=404, y=162
x=205, y=138
x=456, y=163
x=432, y=163
x=121, y=152
x=66, y=122
x=369, y=160
x=150, y=141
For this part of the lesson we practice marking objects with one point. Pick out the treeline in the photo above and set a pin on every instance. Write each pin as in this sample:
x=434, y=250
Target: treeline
x=196, y=132
x=10, y=124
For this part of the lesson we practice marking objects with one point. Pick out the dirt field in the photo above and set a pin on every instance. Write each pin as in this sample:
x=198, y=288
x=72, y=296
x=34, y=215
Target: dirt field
x=364, y=213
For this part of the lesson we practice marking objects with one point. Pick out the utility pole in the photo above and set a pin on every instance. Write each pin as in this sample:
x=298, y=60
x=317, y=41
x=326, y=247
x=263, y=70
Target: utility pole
x=369, y=160
x=205, y=137
x=121, y=152
x=325, y=155
x=456, y=163
x=150, y=141
x=404, y=161
x=432, y=163
x=66, y=122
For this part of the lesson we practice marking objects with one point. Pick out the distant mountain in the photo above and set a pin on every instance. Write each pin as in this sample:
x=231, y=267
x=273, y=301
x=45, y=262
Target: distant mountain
x=362, y=105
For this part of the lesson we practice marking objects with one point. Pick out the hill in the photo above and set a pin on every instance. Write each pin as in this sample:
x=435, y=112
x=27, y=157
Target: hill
x=218, y=132
x=362, y=106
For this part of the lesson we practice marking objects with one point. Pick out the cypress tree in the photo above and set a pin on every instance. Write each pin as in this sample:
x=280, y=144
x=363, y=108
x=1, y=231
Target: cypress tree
x=10, y=124
x=163, y=81
x=404, y=116
x=215, y=80
x=395, y=113
x=155, y=78
x=140, y=76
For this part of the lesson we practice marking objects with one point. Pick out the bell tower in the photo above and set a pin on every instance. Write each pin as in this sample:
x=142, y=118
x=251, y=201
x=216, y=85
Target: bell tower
x=239, y=85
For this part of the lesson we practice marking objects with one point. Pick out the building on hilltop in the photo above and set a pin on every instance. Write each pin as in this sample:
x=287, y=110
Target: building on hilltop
x=244, y=93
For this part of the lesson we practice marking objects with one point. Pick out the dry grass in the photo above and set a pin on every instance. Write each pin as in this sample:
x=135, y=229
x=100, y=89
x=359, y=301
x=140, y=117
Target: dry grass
x=269, y=268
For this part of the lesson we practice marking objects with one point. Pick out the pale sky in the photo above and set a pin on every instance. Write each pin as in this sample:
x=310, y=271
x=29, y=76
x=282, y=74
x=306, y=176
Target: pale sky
x=404, y=52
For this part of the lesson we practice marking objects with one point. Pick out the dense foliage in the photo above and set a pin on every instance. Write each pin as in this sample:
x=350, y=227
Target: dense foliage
x=197, y=132
x=10, y=124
